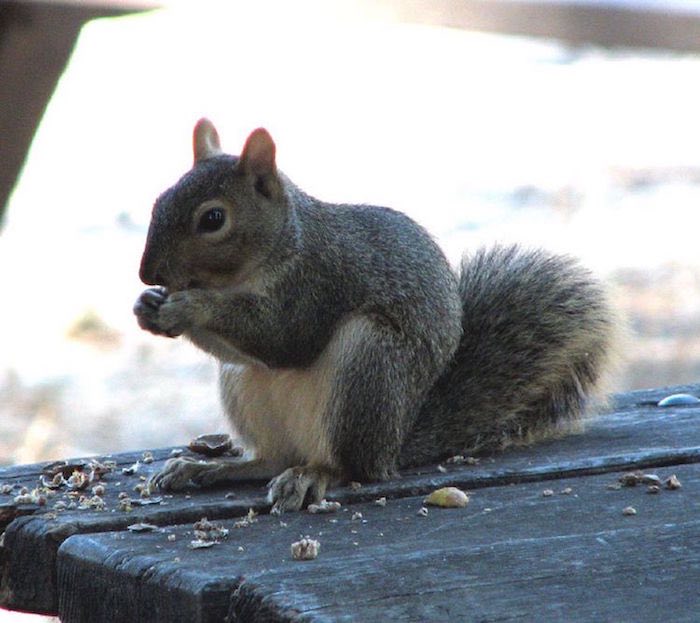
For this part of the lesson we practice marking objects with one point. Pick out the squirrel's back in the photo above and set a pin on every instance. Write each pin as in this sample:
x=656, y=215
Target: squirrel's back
x=376, y=256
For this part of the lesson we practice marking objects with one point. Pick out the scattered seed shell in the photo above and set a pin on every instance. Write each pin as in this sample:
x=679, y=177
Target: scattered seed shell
x=55, y=482
x=200, y=544
x=672, y=482
x=324, y=506
x=380, y=501
x=305, y=549
x=95, y=503
x=36, y=496
x=629, y=510
x=78, y=480
x=630, y=479
x=653, y=489
x=100, y=468
x=460, y=459
x=147, y=500
x=148, y=457
x=64, y=468
x=132, y=469
x=354, y=485
x=205, y=530
x=214, y=445
x=422, y=511
x=650, y=479
x=249, y=519
x=547, y=493
x=142, y=526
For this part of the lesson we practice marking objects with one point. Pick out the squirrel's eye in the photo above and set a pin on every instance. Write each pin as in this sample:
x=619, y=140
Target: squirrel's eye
x=212, y=220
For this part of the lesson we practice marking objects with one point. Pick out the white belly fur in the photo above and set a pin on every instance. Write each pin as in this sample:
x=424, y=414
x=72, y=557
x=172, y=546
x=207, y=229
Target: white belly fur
x=281, y=414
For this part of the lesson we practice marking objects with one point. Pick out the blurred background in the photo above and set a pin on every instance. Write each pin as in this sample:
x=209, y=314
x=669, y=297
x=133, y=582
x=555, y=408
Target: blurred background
x=568, y=125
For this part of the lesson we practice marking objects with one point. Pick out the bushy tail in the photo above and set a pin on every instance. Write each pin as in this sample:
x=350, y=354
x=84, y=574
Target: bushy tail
x=538, y=334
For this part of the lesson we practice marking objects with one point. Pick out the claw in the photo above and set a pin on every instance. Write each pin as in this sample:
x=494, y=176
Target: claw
x=147, y=308
x=175, y=475
x=297, y=486
x=180, y=472
x=153, y=297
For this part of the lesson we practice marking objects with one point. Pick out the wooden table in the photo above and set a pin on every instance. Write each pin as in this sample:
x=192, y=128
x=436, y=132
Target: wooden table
x=516, y=552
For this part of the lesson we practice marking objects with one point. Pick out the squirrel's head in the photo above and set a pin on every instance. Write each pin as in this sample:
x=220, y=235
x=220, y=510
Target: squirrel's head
x=220, y=220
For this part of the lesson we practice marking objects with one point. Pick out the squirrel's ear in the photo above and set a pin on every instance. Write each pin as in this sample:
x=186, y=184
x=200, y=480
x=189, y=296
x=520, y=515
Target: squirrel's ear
x=258, y=154
x=205, y=140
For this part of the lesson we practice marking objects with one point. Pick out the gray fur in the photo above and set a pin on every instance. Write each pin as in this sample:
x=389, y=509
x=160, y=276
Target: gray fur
x=435, y=366
x=537, y=335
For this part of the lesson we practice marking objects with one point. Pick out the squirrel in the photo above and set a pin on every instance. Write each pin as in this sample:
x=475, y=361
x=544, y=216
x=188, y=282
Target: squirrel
x=348, y=347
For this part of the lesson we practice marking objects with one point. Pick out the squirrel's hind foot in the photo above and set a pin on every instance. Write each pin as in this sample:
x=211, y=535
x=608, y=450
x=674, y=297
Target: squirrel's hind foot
x=180, y=472
x=177, y=474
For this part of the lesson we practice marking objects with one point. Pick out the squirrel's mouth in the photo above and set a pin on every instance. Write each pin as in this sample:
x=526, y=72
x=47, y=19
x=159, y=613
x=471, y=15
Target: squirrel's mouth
x=185, y=285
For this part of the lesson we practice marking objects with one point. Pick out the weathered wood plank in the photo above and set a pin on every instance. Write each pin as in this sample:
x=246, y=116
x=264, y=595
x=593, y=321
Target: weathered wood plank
x=650, y=397
x=637, y=434
x=31, y=539
x=31, y=542
x=511, y=554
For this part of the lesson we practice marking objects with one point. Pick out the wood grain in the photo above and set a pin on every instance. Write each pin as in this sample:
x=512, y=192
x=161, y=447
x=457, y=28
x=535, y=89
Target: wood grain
x=511, y=554
x=636, y=434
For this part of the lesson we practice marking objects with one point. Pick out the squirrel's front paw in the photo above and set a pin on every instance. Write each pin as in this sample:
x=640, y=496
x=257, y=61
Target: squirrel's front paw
x=166, y=314
x=146, y=309
x=295, y=485
x=177, y=313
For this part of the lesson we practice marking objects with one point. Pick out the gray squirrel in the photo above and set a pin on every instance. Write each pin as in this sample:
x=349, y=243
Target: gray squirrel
x=348, y=347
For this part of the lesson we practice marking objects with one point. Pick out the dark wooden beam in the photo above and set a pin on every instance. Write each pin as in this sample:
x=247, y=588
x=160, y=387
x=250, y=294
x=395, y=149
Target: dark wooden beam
x=36, y=40
x=613, y=24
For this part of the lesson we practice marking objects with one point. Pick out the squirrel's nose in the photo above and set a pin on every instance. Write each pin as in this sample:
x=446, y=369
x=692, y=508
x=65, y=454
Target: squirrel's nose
x=156, y=280
x=148, y=272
